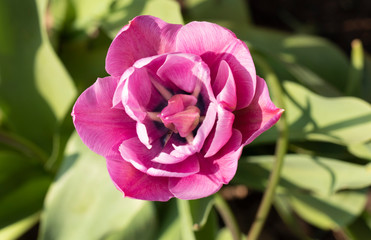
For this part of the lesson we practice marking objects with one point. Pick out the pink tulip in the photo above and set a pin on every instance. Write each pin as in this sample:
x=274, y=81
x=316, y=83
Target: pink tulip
x=178, y=107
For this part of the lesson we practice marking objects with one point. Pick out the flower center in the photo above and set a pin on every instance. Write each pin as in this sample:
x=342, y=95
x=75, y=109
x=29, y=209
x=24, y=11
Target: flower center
x=181, y=115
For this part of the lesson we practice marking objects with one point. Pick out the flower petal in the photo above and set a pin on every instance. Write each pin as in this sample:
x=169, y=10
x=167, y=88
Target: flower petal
x=214, y=44
x=259, y=116
x=199, y=185
x=214, y=172
x=143, y=37
x=135, y=184
x=222, y=132
x=101, y=127
x=225, y=87
x=184, y=70
x=227, y=158
x=133, y=151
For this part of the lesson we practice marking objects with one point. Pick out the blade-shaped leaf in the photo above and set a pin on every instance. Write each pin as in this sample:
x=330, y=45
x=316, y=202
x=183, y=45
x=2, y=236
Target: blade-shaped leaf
x=342, y=120
x=322, y=176
x=83, y=195
x=35, y=87
x=123, y=11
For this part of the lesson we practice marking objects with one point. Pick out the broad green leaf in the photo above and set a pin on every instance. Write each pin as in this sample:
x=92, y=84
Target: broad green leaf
x=35, y=88
x=232, y=14
x=84, y=196
x=123, y=11
x=342, y=120
x=15, y=230
x=314, y=53
x=200, y=210
x=322, y=176
x=330, y=212
x=23, y=186
x=361, y=150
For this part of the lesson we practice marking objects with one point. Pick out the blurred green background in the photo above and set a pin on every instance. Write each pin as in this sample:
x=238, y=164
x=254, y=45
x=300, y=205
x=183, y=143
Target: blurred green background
x=53, y=187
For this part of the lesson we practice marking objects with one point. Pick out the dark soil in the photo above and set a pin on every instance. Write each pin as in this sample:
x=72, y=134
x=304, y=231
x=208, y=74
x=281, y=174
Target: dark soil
x=341, y=21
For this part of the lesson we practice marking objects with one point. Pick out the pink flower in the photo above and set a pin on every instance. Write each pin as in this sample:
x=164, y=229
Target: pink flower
x=178, y=107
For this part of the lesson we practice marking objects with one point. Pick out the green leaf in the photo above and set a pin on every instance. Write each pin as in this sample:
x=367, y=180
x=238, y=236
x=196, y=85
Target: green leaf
x=170, y=228
x=323, y=176
x=200, y=210
x=123, y=11
x=325, y=192
x=314, y=53
x=342, y=120
x=361, y=150
x=83, y=195
x=232, y=14
x=35, y=88
x=23, y=186
x=358, y=230
x=15, y=230
x=330, y=212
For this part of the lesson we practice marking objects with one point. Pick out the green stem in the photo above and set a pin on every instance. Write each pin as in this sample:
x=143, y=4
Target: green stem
x=281, y=149
x=227, y=216
x=185, y=220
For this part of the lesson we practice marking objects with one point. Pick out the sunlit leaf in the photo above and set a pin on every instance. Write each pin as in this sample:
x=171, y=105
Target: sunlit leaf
x=123, y=11
x=330, y=212
x=322, y=176
x=83, y=195
x=314, y=53
x=232, y=14
x=343, y=120
x=15, y=230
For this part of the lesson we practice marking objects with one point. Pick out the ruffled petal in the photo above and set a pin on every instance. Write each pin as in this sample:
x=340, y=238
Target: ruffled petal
x=135, y=184
x=214, y=172
x=222, y=132
x=225, y=87
x=227, y=158
x=133, y=151
x=184, y=71
x=143, y=37
x=259, y=116
x=214, y=44
x=199, y=185
x=101, y=127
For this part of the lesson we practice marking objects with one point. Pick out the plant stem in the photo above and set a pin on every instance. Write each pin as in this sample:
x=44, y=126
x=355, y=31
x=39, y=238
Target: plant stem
x=185, y=220
x=228, y=217
x=281, y=149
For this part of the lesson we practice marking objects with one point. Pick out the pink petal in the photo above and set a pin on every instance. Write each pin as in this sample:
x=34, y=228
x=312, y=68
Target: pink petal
x=143, y=37
x=139, y=95
x=184, y=70
x=227, y=158
x=199, y=185
x=201, y=135
x=101, y=127
x=224, y=87
x=214, y=172
x=135, y=184
x=133, y=151
x=214, y=44
x=259, y=116
x=222, y=133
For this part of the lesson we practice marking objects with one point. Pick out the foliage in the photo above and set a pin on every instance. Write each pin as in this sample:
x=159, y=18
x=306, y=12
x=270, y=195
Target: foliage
x=51, y=51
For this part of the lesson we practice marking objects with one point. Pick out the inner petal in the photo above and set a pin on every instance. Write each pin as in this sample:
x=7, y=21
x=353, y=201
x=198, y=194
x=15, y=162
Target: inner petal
x=181, y=115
